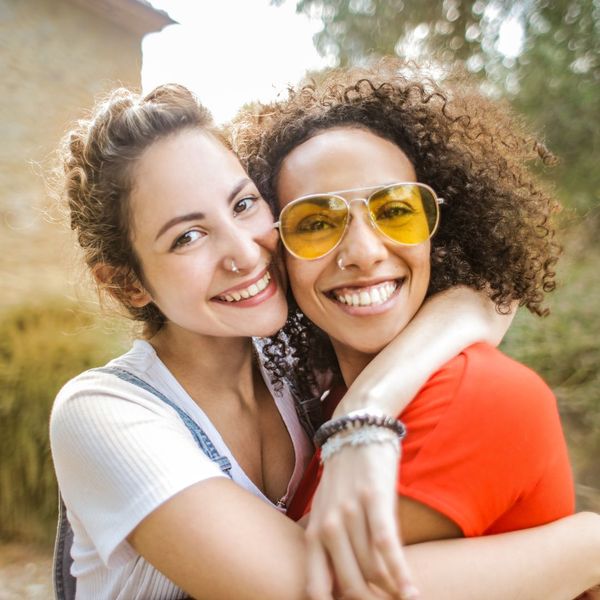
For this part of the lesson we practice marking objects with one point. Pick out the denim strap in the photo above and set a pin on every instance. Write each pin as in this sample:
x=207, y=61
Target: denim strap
x=64, y=582
x=201, y=438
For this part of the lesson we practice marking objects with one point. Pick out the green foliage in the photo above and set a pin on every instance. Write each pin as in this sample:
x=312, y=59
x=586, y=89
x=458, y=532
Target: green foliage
x=41, y=347
x=564, y=349
x=552, y=77
x=357, y=29
x=557, y=85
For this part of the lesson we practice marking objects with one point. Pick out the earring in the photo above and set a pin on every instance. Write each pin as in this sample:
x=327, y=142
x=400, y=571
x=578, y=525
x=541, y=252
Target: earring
x=340, y=264
x=234, y=268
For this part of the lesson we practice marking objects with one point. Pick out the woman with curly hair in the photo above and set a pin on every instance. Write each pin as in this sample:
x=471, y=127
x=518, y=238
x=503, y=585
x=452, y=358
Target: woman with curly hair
x=177, y=459
x=363, y=169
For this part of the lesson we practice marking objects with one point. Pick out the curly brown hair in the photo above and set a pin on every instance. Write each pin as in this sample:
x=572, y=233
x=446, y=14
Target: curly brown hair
x=98, y=157
x=496, y=232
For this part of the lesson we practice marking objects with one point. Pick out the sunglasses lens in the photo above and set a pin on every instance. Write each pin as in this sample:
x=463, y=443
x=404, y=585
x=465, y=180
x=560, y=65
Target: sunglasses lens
x=312, y=227
x=405, y=213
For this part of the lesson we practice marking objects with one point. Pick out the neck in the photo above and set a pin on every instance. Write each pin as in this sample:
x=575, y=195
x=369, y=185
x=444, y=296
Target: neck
x=217, y=367
x=351, y=361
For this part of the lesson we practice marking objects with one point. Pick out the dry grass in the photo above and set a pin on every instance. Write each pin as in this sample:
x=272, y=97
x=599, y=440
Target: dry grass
x=41, y=347
x=565, y=350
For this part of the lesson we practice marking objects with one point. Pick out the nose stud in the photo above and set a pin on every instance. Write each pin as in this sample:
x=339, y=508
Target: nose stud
x=234, y=268
x=340, y=264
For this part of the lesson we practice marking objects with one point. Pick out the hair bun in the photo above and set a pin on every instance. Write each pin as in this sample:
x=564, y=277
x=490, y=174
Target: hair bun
x=170, y=93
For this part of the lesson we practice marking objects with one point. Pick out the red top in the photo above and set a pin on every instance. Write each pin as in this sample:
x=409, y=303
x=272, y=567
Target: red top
x=484, y=447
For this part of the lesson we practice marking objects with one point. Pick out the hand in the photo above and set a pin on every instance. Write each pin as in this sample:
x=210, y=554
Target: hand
x=353, y=538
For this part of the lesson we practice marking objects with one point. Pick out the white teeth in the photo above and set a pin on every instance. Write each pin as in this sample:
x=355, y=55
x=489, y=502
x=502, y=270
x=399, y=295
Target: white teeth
x=262, y=284
x=248, y=292
x=368, y=296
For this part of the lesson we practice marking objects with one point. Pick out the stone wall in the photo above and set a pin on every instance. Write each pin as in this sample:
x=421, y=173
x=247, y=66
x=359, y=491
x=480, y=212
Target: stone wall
x=56, y=57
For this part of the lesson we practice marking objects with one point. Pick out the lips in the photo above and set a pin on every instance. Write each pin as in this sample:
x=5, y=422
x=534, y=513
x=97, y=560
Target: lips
x=249, y=291
x=367, y=295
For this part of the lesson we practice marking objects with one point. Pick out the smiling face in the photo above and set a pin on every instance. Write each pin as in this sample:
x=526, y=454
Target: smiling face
x=194, y=211
x=383, y=284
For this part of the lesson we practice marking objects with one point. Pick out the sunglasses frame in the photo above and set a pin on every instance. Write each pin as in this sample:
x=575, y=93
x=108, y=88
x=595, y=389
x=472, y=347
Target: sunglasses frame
x=376, y=189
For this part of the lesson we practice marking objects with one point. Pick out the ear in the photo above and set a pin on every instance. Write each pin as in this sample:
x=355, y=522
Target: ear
x=122, y=284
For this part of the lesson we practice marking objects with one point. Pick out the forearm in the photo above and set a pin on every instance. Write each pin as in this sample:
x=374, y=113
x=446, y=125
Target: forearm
x=446, y=324
x=214, y=528
x=553, y=562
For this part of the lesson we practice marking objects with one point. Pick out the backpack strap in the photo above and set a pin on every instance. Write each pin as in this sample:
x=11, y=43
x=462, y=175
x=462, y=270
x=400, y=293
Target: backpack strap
x=64, y=582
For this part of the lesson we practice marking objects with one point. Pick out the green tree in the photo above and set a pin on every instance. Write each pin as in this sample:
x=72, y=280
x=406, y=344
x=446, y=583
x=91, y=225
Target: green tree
x=544, y=55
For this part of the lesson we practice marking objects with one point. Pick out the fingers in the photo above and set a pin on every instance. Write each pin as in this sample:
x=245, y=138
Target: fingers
x=320, y=580
x=350, y=579
x=354, y=547
x=370, y=561
x=387, y=544
x=332, y=544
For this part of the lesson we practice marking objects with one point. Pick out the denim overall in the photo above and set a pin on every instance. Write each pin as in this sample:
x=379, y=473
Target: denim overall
x=64, y=582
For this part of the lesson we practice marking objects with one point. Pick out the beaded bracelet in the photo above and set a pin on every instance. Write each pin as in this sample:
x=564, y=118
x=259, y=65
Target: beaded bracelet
x=359, y=437
x=356, y=419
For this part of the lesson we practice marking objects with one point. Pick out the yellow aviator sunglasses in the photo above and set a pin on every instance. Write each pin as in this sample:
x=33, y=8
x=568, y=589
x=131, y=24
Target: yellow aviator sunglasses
x=406, y=213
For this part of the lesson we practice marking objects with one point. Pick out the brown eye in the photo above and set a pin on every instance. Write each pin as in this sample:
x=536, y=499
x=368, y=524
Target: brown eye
x=315, y=223
x=244, y=205
x=187, y=238
x=394, y=210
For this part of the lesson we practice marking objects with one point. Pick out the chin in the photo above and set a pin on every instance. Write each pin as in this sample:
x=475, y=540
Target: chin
x=365, y=346
x=373, y=339
x=269, y=327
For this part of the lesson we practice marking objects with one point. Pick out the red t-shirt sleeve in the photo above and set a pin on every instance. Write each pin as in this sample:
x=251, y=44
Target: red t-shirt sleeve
x=485, y=446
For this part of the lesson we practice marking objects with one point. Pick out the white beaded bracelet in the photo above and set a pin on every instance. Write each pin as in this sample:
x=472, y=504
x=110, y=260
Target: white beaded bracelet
x=359, y=437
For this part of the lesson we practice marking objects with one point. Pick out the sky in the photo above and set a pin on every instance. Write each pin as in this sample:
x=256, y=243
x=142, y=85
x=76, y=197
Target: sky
x=230, y=52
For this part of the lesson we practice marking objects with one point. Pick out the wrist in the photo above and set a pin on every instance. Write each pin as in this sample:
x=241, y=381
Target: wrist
x=371, y=398
x=356, y=420
x=363, y=436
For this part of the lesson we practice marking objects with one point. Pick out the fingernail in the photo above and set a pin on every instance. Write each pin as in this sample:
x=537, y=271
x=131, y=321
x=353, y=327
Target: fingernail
x=410, y=592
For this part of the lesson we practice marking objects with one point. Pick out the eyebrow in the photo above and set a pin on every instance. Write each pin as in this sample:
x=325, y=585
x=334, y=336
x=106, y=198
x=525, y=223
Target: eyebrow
x=199, y=216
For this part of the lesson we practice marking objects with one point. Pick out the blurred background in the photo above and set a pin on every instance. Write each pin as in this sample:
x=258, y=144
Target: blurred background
x=58, y=56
